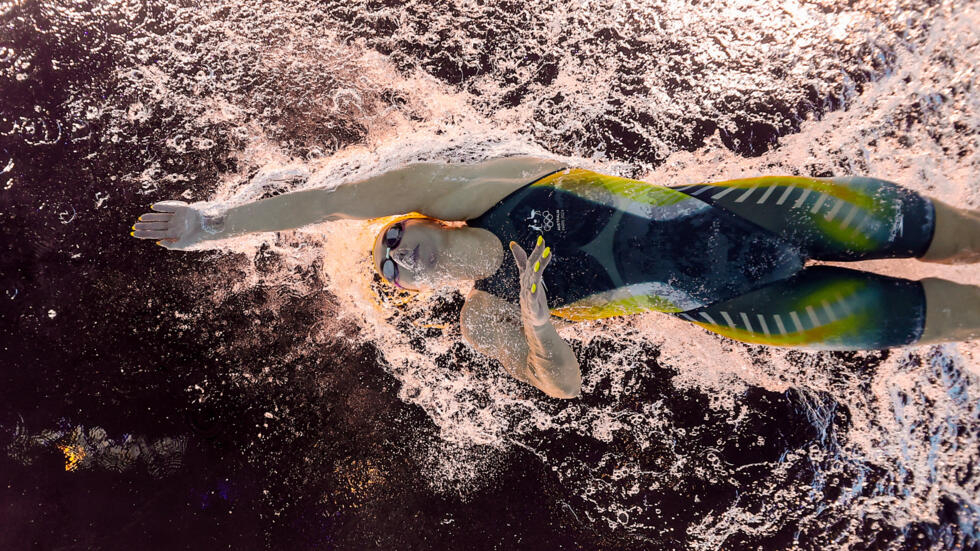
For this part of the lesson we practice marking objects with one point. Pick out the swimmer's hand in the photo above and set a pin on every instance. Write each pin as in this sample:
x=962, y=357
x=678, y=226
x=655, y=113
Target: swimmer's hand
x=175, y=225
x=534, y=303
x=551, y=363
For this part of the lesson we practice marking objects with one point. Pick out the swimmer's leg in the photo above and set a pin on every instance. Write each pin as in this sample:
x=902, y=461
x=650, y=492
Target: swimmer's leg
x=952, y=311
x=852, y=218
x=822, y=307
x=956, y=239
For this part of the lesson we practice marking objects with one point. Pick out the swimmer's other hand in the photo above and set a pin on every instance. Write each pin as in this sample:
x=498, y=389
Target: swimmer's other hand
x=175, y=225
x=534, y=303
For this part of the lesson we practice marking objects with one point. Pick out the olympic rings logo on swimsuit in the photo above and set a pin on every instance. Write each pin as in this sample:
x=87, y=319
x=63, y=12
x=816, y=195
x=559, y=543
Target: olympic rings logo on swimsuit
x=549, y=221
x=545, y=222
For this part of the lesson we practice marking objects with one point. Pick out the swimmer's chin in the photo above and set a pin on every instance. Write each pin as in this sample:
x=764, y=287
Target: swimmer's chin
x=437, y=281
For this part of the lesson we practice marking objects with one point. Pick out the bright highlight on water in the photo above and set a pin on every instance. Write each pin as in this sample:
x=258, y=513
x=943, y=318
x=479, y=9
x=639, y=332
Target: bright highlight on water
x=681, y=438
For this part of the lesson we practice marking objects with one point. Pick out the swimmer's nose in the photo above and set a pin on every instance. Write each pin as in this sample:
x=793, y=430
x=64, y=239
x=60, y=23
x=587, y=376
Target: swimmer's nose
x=403, y=256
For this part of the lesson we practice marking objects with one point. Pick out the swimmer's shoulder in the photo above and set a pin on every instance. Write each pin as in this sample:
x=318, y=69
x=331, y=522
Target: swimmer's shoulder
x=479, y=187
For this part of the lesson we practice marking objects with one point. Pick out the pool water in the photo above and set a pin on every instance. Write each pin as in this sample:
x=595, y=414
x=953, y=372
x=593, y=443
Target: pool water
x=270, y=393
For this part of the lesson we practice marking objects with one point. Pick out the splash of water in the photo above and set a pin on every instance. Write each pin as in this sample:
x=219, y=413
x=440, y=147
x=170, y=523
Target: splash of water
x=674, y=93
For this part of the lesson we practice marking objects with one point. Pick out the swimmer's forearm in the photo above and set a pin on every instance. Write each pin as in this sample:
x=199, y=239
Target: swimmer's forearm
x=382, y=195
x=441, y=190
x=551, y=362
x=283, y=212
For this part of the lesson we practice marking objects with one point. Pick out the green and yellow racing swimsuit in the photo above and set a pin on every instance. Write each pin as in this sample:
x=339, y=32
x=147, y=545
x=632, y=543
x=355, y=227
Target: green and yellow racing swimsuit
x=728, y=256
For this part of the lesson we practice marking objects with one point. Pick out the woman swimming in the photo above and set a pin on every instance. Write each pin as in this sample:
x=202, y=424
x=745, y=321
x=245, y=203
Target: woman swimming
x=727, y=256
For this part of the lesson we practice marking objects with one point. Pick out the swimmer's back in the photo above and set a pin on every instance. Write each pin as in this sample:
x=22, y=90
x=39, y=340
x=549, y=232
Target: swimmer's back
x=623, y=246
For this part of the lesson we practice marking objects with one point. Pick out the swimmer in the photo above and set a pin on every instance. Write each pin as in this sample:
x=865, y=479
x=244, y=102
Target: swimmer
x=729, y=256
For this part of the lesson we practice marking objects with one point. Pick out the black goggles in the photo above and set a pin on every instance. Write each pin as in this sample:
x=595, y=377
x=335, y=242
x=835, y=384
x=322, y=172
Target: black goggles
x=391, y=239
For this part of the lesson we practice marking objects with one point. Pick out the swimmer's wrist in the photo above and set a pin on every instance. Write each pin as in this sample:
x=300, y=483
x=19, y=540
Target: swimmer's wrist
x=214, y=221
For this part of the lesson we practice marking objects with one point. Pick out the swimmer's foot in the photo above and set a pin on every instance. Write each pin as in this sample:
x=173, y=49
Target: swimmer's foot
x=956, y=239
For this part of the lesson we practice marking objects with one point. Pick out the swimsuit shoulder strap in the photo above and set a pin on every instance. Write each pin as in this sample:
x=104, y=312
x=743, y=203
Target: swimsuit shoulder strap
x=497, y=221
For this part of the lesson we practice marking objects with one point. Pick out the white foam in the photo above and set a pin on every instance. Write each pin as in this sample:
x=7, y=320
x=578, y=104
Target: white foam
x=287, y=91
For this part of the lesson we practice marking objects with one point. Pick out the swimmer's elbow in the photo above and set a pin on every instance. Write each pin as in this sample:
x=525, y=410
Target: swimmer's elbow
x=566, y=393
x=574, y=387
x=567, y=387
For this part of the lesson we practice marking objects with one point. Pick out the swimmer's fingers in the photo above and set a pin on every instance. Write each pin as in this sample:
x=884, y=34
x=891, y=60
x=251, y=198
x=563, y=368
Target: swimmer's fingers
x=534, y=300
x=174, y=225
x=150, y=226
x=155, y=217
x=532, y=286
x=539, y=248
x=153, y=230
x=150, y=234
x=163, y=237
x=531, y=278
x=151, y=222
x=545, y=259
x=168, y=206
x=533, y=275
x=520, y=257
x=540, y=257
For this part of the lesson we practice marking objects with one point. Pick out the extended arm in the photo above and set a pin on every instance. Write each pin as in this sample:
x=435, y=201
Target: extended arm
x=444, y=191
x=439, y=190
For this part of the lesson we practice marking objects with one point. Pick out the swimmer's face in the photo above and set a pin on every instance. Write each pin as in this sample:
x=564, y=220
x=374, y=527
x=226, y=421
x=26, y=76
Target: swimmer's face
x=414, y=258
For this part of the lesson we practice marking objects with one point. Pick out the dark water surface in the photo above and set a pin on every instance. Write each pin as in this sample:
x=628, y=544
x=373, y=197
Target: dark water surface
x=223, y=423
